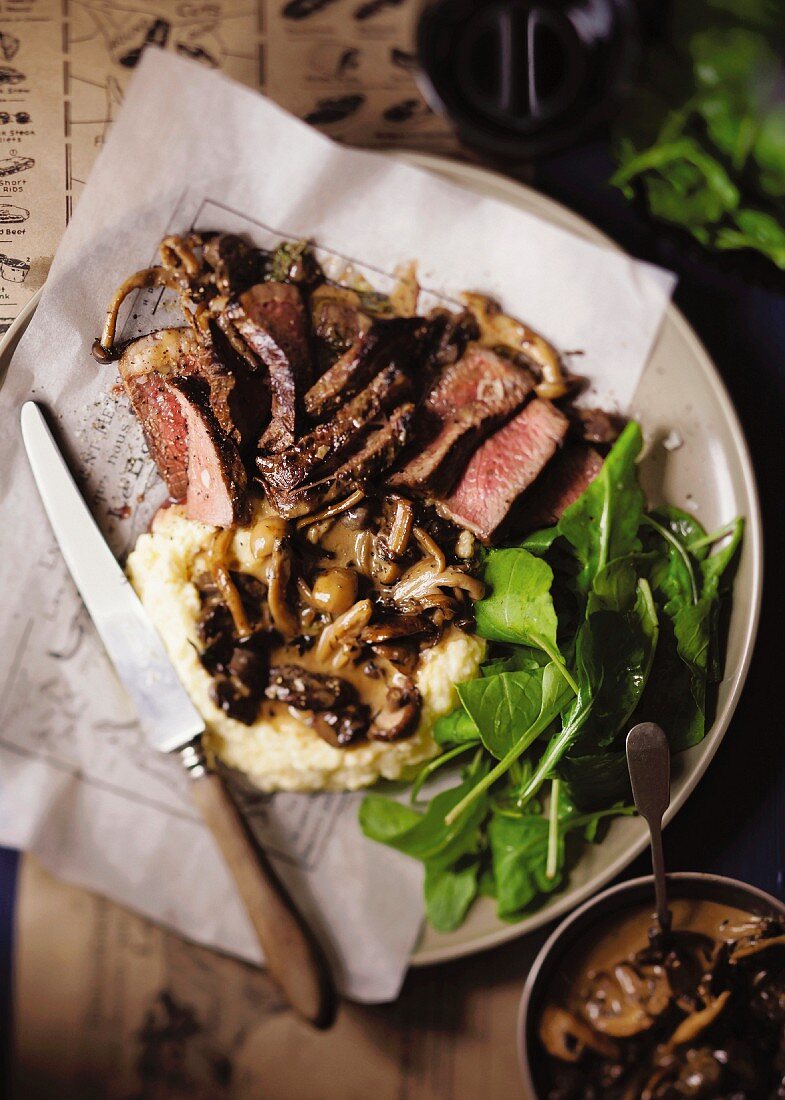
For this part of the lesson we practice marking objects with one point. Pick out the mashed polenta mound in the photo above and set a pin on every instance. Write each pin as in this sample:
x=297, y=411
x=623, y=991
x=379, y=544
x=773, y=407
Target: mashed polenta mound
x=280, y=753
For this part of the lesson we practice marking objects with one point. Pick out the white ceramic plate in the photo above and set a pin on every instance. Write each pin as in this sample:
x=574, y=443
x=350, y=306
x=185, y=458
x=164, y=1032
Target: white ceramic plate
x=710, y=473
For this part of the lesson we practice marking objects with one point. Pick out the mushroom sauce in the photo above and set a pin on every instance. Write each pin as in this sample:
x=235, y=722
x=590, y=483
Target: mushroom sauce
x=338, y=607
x=700, y=1012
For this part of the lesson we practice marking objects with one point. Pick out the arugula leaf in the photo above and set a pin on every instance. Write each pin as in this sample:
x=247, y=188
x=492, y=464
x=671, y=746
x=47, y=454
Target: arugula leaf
x=426, y=836
x=449, y=891
x=755, y=229
x=596, y=779
x=519, y=850
x=386, y=820
x=456, y=728
x=603, y=523
x=503, y=706
x=520, y=659
x=769, y=151
x=558, y=745
x=620, y=644
x=714, y=568
x=555, y=694
x=540, y=542
x=519, y=607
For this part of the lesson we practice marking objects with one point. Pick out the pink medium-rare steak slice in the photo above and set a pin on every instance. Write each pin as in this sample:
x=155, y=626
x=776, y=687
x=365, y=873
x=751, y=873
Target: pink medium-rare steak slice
x=503, y=467
x=216, y=478
x=271, y=318
x=559, y=486
x=470, y=398
x=145, y=366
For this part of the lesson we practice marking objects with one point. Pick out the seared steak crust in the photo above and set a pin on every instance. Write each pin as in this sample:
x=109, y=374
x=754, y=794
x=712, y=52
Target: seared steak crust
x=397, y=340
x=217, y=481
x=271, y=318
x=316, y=453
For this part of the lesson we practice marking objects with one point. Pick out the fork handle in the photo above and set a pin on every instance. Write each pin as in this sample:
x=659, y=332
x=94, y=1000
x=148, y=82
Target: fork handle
x=293, y=958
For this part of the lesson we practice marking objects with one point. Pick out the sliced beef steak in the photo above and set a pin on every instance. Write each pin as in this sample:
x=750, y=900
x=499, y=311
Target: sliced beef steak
x=216, y=478
x=559, y=486
x=397, y=340
x=317, y=453
x=239, y=397
x=470, y=399
x=272, y=320
x=503, y=467
x=145, y=365
x=380, y=449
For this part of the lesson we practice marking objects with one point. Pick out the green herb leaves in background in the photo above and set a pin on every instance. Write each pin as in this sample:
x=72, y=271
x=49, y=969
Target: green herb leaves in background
x=703, y=136
x=540, y=732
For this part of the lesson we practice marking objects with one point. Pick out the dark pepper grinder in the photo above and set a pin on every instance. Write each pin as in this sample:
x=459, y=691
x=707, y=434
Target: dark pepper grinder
x=521, y=78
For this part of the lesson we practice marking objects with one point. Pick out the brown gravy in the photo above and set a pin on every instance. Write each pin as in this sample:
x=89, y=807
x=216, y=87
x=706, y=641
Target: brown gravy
x=622, y=935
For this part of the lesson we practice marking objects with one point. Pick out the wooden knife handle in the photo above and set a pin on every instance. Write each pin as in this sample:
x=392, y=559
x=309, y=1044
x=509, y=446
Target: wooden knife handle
x=294, y=960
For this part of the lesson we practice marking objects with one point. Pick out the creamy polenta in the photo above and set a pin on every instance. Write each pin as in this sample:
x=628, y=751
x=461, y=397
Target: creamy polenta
x=280, y=752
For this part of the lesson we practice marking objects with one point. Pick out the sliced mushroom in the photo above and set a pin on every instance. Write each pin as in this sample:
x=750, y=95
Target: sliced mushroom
x=395, y=627
x=333, y=591
x=337, y=640
x=497, y=329
x=336, y=316
x=331, y=510
x=305, y=690
x=219, y=569
x=343, y=727
x=566, y=1037
x=178, y=255
x=620, y=1001
x=401, y=713
x=104, y=348
x=754, y=946
x=419, y=582
x=396, y=541
x=279, y=571
x=403, y=656
x=698, y=1022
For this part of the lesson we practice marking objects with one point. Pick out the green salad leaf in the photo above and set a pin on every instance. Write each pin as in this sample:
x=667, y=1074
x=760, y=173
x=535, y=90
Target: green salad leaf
x=702, y=138
x=608, y=618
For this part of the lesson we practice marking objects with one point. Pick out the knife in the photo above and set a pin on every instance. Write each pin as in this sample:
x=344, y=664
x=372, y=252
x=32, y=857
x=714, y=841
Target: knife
x=173, y=725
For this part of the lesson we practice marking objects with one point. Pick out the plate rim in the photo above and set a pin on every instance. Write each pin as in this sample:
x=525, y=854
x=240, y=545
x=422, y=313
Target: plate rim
x=474, y=177
x=464, y=175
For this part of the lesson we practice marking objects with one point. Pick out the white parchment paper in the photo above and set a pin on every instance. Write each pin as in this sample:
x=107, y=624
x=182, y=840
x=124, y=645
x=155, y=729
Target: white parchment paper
x=78, y=785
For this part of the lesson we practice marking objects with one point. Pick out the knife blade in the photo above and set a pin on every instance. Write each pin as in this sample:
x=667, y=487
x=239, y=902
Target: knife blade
x=165, y=713
x=172, y=724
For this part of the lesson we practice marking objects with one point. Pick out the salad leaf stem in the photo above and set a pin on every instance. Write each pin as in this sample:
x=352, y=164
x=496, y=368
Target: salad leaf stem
x=554, y=655
x=504, y=765
x=426, y=772
x=559, y=744
x=672, y=541
x=551, y=865
x=713, y=536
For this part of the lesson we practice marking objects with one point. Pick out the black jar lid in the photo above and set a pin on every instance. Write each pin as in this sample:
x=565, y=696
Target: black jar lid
x=520, y=78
